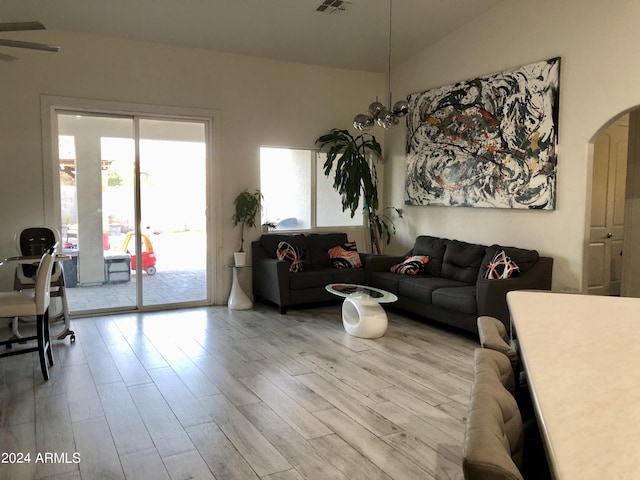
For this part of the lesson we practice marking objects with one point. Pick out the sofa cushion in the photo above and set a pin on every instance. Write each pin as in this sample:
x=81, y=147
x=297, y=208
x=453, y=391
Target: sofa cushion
x=421, y=287
x=459, y=299
x=292, y=254
x=386, y=281
x=501, y=267
x=434, y=248
x=412, y=265
x=270, y=242
x=319, y=245
x=462, y=261
x=311, y=278
x=345, y=256
x=523, y=257
x=348, y=275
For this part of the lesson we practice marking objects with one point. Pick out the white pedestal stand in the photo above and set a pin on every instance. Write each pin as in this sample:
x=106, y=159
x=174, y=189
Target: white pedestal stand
x=238, y=300
x=364, y=319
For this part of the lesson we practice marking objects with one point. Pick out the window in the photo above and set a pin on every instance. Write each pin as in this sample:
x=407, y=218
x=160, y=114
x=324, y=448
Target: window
x=297, y=194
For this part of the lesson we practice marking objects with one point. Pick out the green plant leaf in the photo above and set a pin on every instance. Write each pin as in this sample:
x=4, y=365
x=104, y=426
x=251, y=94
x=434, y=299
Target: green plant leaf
x=247, y=206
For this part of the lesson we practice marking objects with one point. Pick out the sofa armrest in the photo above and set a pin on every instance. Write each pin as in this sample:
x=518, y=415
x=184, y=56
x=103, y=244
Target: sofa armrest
x=491, y=295
x=364, y=257
x=270, y=276
x=379, y=263
x=271, y=280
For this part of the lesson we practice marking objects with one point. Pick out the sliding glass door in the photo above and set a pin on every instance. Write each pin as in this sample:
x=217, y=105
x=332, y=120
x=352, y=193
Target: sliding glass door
x=133, y=209
x=173, y=210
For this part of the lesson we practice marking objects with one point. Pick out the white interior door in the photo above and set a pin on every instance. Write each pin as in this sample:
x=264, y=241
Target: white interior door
x=607, y=210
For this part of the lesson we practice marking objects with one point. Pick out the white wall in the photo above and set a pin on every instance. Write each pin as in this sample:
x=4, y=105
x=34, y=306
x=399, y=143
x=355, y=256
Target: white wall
x=260, y=102
x=599, y=42
x=263, y=102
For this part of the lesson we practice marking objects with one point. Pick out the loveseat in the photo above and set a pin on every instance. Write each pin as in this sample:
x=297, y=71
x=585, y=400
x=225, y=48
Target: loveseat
x=273, y=280
x=450, y=287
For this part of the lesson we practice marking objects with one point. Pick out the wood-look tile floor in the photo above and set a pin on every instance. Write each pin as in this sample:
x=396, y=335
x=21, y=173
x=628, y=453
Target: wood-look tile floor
x=212, y=393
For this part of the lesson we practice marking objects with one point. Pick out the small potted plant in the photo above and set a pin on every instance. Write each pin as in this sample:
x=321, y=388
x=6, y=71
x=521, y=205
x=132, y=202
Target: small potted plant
x=268, y=226
x=247, y=206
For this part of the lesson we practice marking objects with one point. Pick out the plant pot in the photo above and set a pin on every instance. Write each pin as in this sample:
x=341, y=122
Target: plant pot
x=240, y=258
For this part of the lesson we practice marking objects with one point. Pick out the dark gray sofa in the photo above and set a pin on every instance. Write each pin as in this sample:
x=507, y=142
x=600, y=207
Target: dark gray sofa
x=451, y=289
x=272, y=280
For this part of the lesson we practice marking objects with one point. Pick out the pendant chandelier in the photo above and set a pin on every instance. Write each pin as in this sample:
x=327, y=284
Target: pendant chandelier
x=386, y=117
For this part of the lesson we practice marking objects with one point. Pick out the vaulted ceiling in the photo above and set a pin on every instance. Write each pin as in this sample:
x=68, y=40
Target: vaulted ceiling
x=347, y=34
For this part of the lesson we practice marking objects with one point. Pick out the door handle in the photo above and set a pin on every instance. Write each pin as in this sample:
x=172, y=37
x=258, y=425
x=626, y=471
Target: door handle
x=609, y=235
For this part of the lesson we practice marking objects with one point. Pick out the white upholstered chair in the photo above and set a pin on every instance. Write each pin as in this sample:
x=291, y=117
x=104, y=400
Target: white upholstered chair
x=32, y=303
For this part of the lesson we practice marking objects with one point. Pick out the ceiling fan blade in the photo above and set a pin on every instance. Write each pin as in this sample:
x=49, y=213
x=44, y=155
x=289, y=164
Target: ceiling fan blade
x=7, y=58
x=21, y=26
x=30, y=45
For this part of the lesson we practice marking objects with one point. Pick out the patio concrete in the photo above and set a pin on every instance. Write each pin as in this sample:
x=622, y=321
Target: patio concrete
x=165, y=287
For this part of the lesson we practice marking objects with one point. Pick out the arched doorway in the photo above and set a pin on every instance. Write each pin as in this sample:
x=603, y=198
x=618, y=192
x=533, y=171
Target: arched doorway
x=610, y=257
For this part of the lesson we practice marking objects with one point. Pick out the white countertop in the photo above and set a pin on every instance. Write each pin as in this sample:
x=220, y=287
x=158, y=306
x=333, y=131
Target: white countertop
x=582, y=357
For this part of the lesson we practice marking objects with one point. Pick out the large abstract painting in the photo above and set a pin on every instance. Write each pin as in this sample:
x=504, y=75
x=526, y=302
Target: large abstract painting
x=486, y=142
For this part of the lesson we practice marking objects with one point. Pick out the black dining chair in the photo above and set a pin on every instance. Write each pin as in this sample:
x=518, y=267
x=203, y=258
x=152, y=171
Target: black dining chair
x=32, y=242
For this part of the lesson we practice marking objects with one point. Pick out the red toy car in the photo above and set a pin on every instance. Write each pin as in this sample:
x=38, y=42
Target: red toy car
x=148, y=255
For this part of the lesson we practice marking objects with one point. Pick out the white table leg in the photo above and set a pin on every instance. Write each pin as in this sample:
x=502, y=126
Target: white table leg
x=364, y=319
x=238, y=300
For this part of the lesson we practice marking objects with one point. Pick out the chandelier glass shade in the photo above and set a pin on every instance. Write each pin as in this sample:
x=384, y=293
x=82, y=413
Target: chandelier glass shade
x=384, y=116
x=381, y=115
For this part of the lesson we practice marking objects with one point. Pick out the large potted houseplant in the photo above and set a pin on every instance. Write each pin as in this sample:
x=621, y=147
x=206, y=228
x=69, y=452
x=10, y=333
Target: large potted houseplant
x=355, y=179
x=247, y=206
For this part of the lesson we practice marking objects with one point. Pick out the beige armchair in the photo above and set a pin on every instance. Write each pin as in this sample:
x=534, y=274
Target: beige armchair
x=493, y=335
x=494, y=436
x=492, y=364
